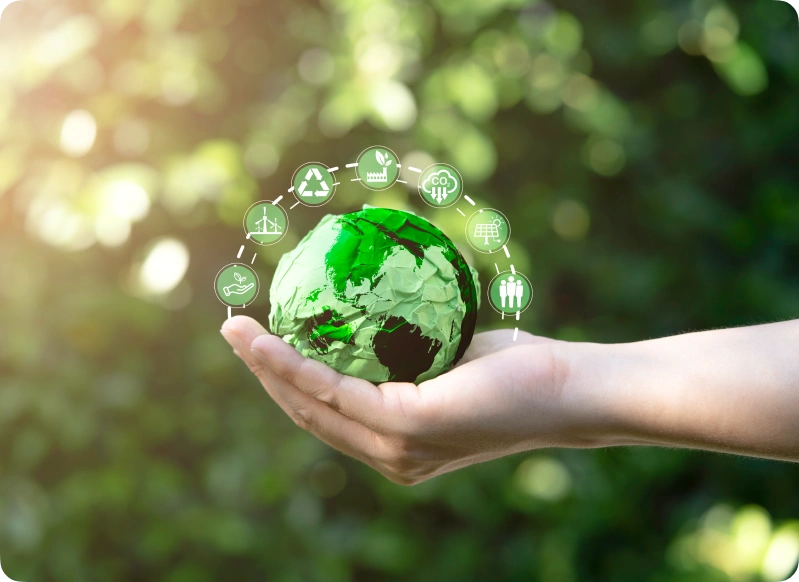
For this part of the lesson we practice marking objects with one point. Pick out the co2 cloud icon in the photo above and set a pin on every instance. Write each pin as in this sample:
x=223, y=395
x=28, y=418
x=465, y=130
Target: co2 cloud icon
x=440, y=185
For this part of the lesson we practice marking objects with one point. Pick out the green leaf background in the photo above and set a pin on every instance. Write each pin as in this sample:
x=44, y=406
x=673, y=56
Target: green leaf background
x=646, y=152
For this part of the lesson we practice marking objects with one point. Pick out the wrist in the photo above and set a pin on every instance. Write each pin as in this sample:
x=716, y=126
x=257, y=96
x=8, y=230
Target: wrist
x=723, y=390
x=607, y=402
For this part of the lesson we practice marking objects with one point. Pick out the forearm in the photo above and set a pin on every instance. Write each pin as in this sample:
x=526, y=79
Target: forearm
x=733, y=390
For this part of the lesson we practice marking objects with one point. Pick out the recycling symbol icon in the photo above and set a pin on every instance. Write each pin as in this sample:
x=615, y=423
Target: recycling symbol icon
x=313, y=184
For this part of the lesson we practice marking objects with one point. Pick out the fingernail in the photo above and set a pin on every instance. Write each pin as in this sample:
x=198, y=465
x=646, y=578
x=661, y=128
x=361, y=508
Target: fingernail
x=259, y=354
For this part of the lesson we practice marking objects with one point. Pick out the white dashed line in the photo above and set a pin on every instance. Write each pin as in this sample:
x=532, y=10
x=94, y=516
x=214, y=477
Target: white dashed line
x=515, y=333
x=469, y=200
x=507, y=252
x=279, y=198
x=412, y=169
x=241, y=250
x=460, y=212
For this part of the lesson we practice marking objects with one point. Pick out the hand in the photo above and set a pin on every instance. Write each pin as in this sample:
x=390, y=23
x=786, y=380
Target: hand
x=503, y=397
x=237, y=289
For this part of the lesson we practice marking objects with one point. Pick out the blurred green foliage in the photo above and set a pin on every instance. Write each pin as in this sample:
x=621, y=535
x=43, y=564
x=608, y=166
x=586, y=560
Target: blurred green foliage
x=645, y=152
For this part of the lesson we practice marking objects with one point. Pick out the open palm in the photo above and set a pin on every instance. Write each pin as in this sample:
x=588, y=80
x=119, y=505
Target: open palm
x=503, y=397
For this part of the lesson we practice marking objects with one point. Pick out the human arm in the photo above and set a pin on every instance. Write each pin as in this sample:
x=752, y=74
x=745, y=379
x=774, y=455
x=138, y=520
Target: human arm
x=734, y=390
x=730, y=390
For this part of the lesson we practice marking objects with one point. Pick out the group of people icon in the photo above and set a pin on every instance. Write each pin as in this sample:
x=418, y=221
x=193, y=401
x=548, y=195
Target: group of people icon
x=509, y=290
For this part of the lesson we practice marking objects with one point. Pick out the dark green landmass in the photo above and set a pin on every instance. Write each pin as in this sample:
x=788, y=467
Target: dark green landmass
x=396, y=339
x=368, y=236
x=327, y=327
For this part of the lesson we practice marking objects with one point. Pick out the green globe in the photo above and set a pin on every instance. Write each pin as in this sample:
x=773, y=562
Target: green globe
x=378, y=294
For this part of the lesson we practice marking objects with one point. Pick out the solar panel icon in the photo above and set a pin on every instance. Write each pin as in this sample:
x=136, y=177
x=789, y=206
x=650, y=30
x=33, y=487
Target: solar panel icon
x=488, y=230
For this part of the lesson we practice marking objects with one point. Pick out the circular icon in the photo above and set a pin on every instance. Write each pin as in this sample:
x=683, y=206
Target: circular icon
x=440, y=185
x=378, y=168
x=265, y=223
x=487, y=230
x=314, y=184
x=236, y=285
x=510, y=293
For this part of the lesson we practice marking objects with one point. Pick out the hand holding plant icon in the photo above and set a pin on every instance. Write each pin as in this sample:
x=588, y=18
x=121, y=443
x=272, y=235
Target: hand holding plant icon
x=236, y=285
x=237, y=288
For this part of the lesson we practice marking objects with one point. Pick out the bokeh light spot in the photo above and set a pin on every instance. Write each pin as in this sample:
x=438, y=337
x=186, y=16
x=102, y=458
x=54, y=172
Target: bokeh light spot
x=743, y=70
x=394, y=105
x=606, y=157
x=126, y=200
x=571, y=220
x=261, y=159
x=316, y=66
x=659, y=34
x=78, y=133
x=544, y=478
x=782, y=554
x=111, y=230
x=327, y=478
x=164, y=267
x=69, y=39
x=690, y=37
x=179, y=87
x=563, y=35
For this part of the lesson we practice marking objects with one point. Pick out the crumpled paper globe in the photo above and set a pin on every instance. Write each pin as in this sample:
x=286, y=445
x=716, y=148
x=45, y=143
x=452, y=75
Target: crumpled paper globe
x=378, y=294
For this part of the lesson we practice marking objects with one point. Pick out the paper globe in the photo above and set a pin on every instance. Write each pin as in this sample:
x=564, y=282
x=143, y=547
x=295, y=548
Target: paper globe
x=378, y=294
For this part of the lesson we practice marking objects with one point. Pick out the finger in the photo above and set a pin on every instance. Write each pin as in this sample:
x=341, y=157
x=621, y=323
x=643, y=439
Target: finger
x=327, y=425
x=357, y=399
x=240, y=331
x=311, y=415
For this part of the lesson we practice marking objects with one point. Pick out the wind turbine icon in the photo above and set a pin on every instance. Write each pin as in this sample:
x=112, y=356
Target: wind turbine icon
x=264, y=223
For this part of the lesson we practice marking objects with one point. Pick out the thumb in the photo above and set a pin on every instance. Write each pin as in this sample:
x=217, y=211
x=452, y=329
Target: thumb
x=239, y=332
